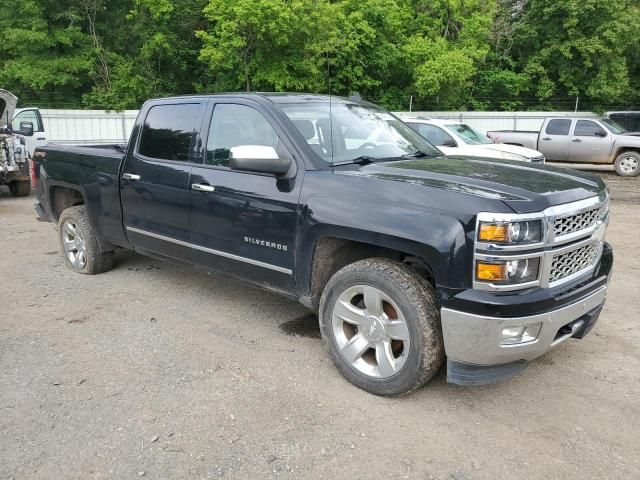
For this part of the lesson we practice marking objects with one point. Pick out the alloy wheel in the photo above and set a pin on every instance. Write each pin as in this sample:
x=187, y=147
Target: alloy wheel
x=74, y=245
x=370, y=331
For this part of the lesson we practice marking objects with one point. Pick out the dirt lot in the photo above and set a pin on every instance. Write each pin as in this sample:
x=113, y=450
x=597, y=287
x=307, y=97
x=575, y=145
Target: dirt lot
x=158, y=371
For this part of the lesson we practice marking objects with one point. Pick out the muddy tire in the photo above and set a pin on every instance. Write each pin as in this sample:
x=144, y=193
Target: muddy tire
x=20, y=188
x=79, y=243
x=627, y=164
x=380, y=323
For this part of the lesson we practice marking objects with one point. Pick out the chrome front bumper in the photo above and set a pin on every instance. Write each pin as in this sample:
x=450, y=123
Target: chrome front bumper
x=475, y=339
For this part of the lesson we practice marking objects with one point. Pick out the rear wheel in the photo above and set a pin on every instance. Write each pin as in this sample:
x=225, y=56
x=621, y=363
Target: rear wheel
x=627, y=164
x=381, y=326
x=79, y=243
x=20, y=188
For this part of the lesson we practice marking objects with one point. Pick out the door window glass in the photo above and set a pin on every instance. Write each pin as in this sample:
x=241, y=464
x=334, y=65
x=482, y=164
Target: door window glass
x=27, y=116
x=168, y=131
x=586, y=128
x=435, y=135
x=558, y=127
x=233, y=125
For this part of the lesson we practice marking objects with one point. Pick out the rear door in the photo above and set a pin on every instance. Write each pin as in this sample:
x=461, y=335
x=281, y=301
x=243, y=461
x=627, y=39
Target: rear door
x=244, y=223
x=155, y=180
x=590, y=143
x=554, y=141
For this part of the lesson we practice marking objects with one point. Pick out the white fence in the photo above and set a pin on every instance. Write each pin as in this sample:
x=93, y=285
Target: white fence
x=100, y=126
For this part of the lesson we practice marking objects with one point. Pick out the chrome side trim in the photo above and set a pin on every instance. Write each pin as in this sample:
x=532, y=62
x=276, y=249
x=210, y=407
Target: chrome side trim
x=250, y=261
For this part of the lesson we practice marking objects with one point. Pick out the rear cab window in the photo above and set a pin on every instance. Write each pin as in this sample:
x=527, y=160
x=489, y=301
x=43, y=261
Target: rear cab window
x=168, y=131
x=558, y=127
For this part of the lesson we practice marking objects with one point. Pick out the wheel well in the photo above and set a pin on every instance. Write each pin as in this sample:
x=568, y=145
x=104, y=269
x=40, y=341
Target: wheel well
x=331, y=254
x=63, y=198
x=621, y=150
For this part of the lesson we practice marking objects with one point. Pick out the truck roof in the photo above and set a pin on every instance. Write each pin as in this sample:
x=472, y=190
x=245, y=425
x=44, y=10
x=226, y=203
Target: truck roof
x=274, y=97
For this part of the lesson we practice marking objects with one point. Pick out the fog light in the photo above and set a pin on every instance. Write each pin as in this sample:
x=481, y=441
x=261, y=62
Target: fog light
x=517, y=335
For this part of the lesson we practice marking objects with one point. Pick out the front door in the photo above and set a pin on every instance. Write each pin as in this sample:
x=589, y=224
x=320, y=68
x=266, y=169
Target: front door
x=242, y=223
x=39, y=137
x=554, y=141
x=590, y=143
x=155, y=181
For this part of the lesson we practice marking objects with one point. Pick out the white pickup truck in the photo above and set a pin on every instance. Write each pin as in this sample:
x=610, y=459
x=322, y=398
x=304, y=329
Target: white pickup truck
x=456, y=138
x=580, y=140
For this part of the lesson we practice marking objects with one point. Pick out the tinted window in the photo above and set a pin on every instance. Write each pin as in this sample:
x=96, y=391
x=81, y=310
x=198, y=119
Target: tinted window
x=234, y=125
x=435, y=135
x=558, y=127
x=168, y=131
x=585, y=128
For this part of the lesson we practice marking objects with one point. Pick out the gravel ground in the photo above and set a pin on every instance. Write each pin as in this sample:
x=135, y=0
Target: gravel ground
x=157, y=371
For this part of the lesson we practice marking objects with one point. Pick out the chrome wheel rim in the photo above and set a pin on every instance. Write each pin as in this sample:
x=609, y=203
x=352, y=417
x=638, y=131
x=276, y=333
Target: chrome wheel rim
x=629, y=164
x=370, y=331
x=74, y=245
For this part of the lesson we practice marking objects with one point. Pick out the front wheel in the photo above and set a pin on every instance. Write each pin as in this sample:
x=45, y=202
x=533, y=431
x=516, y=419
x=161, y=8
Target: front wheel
x=627, y=164
x=381, y=326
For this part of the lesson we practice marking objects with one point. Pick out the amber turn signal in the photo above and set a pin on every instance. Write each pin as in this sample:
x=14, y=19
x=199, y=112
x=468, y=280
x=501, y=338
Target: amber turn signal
x=491, y=271
x=491, y=232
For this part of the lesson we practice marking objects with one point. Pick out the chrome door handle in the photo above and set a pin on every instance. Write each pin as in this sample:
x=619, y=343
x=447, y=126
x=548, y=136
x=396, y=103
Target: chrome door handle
x=130, y=176
x=546, y=138
x=576, y=140
x=202, y=187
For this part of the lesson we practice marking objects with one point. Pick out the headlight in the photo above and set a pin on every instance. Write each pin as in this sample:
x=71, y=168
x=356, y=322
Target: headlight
x=508, y=272
x=510, y=233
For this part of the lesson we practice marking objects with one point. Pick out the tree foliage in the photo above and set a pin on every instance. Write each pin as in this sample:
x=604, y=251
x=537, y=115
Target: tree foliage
x=441, y=54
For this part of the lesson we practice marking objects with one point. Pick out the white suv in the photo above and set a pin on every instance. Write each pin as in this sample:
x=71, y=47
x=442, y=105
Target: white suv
x=455, y=138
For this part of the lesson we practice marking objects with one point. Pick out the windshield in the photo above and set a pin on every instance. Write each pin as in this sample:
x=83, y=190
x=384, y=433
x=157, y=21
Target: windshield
x=612, y=126
x=345, y=132
x=469, y=135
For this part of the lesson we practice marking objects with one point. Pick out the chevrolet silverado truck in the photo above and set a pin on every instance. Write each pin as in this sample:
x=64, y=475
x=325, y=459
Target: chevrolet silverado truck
x=409, y=257
x=580, y=140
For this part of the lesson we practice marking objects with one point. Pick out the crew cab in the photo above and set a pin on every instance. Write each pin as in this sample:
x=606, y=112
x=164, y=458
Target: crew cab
x=580, y=140
x=409, y=257
x=457, y=138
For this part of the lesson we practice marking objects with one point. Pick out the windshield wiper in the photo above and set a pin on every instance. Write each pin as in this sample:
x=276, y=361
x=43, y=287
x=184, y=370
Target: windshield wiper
x=420, y=155
x=361, y=160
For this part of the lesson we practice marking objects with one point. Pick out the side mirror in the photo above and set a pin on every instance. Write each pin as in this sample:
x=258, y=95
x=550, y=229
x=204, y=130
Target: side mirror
x=601, y=133
x=26, y=129
x=449, y=143
x=258, y=158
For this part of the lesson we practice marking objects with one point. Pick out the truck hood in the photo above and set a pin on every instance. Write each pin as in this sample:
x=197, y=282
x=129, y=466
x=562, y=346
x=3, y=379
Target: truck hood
x=524, y=187
x=8, y=102
x=502, y=147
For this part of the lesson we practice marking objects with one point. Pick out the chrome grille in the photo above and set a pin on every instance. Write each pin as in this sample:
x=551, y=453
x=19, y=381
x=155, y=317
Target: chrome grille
x=568, y=263
x=580, y=221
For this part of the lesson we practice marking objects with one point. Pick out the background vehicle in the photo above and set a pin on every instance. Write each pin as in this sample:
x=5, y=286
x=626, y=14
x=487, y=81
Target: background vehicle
x=14, y=165
x=455, y=138
x=580, y=140
x=406, y=255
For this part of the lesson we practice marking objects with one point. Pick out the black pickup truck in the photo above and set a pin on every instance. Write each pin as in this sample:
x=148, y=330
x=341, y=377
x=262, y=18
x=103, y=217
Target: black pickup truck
x=409, y=257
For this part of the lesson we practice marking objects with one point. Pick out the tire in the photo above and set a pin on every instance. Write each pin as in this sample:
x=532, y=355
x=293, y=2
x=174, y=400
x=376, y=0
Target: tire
x=627, y=164
x=402, y=296
x=79, y=243
x=20, y=188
